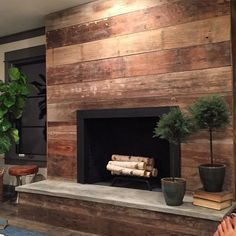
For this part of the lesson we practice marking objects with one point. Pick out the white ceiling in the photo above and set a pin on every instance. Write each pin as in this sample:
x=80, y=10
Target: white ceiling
x=22, y=15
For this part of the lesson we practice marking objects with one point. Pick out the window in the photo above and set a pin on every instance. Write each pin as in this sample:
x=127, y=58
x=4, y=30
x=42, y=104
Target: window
x=32, y=126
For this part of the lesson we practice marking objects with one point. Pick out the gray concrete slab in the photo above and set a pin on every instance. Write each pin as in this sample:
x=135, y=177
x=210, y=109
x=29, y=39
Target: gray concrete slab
x=133, y=198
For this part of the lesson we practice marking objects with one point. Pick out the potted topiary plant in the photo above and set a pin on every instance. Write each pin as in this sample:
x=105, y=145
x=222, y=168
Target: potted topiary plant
x=12, y=100
x=211, y=113
x=174, y=127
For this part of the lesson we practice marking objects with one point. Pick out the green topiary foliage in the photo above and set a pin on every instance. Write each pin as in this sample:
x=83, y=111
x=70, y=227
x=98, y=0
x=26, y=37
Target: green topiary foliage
x=174, y=126
x=210, y=113
x=12, y=100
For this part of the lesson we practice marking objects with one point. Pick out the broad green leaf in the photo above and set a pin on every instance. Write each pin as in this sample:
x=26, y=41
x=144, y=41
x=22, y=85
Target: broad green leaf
x=5, y=144
x=15, y=135
x=5, y=125
x=9, y=100
x=23, y=90
x=14, y=73
x=20, y=102
x=1, y=114
x=13, y=87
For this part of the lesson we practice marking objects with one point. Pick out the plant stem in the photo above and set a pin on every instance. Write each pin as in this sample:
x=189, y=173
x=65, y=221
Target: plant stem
x=211, y=149
x=172, y=162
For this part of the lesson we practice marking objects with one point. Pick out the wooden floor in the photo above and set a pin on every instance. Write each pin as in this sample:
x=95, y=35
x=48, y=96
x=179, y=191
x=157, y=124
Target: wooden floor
x=9, y=211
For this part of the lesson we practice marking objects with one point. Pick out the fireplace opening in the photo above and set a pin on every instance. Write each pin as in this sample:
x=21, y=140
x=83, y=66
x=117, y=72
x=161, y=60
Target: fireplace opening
x=102, y=133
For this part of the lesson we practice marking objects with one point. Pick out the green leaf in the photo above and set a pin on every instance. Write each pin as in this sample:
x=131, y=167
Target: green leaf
x=1, y=114
x=5, y=144
x=20, y=102
x=14, y=73
x=23, y=90
x=24, y=79
x=15, y=135
x=13, y=87
x=5, y=125
x=9, y=100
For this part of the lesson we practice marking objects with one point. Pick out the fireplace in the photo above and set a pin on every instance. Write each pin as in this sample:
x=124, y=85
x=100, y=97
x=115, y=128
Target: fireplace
x=102, y=133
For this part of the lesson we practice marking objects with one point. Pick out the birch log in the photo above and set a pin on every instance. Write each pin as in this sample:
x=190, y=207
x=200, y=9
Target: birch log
x=154, y=172
x=147, y=160
x=126, y=171
x=129, y=164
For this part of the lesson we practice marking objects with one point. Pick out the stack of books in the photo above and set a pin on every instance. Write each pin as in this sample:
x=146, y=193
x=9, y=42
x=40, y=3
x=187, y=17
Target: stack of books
x=217, y=201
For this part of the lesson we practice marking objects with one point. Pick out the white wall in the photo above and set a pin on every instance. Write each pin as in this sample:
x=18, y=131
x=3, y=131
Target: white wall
x=27, y=43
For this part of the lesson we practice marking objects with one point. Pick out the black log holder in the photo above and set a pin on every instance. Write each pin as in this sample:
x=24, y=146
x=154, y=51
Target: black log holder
x=131, y=179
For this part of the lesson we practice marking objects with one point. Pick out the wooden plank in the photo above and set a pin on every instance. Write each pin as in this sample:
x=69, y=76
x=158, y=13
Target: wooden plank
x=61, y=131
x=156, y=17
x=166, y=61
x=225, y=149
x=180, y=83
x=97, y=10
x=61, y=167
x=65, y=148
x=79, y=214
x=66, y=112
x=195, y=33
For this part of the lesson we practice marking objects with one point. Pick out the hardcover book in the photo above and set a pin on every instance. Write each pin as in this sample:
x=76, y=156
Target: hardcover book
x=216, y=197
x=211, y=204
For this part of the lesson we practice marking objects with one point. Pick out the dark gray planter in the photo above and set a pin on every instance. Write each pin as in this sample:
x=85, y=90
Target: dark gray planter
x=173, y=190
x=212, y=177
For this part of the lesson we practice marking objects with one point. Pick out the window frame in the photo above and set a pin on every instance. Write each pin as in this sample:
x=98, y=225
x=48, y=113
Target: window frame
x=26, y=55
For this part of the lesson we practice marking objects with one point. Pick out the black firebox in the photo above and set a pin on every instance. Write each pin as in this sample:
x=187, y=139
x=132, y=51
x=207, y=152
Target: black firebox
x=101, y=133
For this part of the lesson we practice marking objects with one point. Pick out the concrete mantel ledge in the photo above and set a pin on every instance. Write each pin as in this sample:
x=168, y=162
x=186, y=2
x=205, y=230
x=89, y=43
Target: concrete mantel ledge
x=133, y=198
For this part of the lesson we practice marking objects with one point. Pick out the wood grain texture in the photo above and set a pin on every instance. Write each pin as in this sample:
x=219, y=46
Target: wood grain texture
x=100, y=219
x=166, y=61
x=195, y=33
x=180, y=83
x=171, y=13
x=66, y=112
x=97, y=10
x=135, y=53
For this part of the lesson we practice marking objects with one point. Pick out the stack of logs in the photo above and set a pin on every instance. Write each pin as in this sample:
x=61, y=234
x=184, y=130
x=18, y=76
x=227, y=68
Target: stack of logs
x=132, y=166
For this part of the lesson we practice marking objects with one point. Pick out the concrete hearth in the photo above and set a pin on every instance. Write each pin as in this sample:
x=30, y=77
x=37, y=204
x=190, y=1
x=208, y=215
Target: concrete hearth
x=103, y=210
x=133, y=198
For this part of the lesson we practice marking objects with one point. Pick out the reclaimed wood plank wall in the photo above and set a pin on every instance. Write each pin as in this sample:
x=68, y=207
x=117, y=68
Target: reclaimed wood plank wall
x=132, y=53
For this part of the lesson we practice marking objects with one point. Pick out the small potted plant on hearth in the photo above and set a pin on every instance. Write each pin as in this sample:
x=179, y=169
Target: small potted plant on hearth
x=211, y=113
x=174, y=127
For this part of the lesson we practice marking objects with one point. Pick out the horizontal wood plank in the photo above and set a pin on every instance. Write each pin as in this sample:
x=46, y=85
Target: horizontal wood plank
x=172, y=13
x=66, y=112
x=195, y=33
x=97, y=10
x=78, y=214
x=180, y=83
x=166, y=61
x=65, y=148
x=62, y=168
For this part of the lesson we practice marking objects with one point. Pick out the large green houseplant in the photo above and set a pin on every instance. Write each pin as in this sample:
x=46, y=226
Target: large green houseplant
x=174, y=126
x=211, y=113
x=12, y=101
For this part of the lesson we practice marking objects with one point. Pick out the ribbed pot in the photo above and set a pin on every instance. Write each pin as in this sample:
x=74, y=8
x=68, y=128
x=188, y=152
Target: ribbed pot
x=173, y=190
x=212, y=177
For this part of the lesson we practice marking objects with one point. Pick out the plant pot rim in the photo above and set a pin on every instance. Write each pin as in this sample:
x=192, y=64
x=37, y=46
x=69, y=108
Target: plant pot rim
x=212, y=166
x=170, y=179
